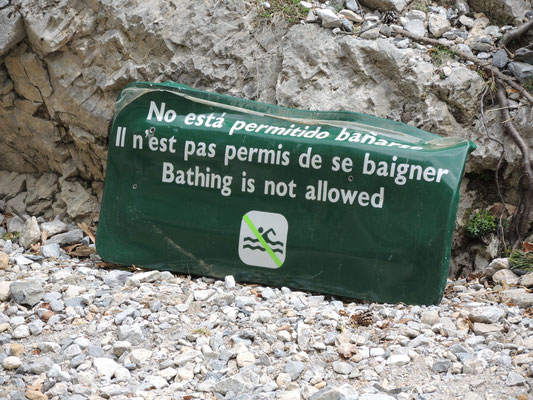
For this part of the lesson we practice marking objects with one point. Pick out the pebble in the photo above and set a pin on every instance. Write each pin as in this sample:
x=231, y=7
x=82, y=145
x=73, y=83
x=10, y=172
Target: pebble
x=118, y=334
x=416, y=27
x=11, y=362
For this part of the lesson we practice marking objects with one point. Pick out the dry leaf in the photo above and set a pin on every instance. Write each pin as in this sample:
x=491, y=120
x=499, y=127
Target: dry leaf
x=47, y=315
x=526, y=246
x=36, y=248
x=83, y=226
x=80, y=250
x=343, y=313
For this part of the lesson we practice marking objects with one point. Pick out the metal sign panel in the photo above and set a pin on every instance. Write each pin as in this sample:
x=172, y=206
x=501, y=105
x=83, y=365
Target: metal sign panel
x=334, y=202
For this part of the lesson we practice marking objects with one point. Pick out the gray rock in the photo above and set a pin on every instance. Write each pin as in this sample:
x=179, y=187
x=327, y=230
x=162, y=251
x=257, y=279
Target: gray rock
x=54, y=227
x=520, y=297
x=441, y=366
x=336, y=4
x=30, y=233
x=294, y=369
x=72, y=351
x=11, y=29
x=95, y=351
x=346, y=25
x=26, y=293
x=80, y=202
x=235, y=384
x=462, y=7
x=342, y=367
x=50, y=250
x=521, y=71
x=505, y=277
x=416, y=27
x=143, y=277
x=329, y=18
x=345, y=392
x=36, y=327
x=116, y=278
x=119, y=347
x=15, y=224
x=466, y=21
x=524, y=55
x=353, y=6
x=41, y=365
x=386, y=5
x=500, y=59
x=438, y=24
x=132, y=334
x=496, y=265
x=501, y=11
x=489, y=315
x=49, y=347
x=514, y=379
x=527, y=280
x=67, y=238
x=267, y=293
x=375, y=396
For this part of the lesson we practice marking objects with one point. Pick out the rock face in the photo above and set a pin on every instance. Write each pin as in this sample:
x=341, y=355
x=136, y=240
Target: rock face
x=503, y=11
x=63, y=64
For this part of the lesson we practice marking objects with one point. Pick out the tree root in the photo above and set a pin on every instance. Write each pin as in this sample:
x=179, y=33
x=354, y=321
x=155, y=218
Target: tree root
x=520, y=220
x=521, y=216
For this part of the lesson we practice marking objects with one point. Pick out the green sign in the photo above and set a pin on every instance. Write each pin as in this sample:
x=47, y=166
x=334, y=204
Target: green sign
x=333, y=202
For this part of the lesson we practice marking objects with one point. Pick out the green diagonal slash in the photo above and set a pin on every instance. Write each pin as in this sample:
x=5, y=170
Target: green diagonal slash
x=261, y=240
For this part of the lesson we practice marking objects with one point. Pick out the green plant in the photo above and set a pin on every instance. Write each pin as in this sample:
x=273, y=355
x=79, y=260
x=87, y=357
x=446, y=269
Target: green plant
x=528, y=84
x=291, y=10
x=10, y=236
x=202, y=331
x=521, y=260
x=480, y=224
x=439, y=54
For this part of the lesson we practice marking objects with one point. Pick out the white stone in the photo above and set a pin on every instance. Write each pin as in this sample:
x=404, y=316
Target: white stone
x=466, y=21
x=430, y=317
x=105, y=367
x=245, y=359
x=21, y=331
x=351, y=16
x=185, y=374
x=11, y=362
x=438, y=25
x=329, y=18
x=489, y=315
x=416, y=27
x=168, y=373
x=30, y=233
x=398, y=360
x=527, y=280
x=229, y=280
x=505, y=277
x=139, y=356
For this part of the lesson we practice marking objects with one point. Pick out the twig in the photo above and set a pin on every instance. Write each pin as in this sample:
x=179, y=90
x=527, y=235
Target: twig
x=523, y=213
x=487, y=67
x=517, y=32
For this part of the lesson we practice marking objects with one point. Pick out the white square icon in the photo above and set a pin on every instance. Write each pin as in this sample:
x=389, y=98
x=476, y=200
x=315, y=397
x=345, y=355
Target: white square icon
x=263, y=239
